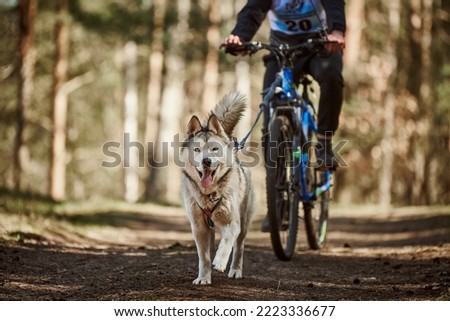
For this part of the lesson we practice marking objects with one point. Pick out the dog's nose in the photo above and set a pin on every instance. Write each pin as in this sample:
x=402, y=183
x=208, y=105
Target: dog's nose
x=206, y=162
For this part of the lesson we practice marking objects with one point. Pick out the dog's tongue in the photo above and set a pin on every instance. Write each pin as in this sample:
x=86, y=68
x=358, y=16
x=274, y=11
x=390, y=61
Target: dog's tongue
x=206, y=178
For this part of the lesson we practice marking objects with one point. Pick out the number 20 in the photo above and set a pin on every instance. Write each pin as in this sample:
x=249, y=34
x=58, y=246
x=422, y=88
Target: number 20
x=304, y=25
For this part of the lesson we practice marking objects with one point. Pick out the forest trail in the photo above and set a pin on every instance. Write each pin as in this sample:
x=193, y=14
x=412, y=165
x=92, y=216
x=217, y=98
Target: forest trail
x=146, y=252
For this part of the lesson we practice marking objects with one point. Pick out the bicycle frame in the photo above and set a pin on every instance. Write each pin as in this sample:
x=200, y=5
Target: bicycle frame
x=300, y=111
x=302, y=116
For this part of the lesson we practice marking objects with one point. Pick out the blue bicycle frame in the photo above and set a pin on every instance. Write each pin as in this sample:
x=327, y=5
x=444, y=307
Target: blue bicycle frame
x=304, y=113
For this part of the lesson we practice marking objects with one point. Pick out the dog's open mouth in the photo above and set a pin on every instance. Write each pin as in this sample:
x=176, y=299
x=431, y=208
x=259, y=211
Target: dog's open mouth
x=206, y=177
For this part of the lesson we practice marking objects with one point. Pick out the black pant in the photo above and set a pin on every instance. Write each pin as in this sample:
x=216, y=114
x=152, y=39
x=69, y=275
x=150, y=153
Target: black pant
x=327, y=71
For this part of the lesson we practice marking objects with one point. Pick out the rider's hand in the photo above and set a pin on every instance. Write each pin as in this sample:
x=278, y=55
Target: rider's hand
x=231, y=41
x=337, y=41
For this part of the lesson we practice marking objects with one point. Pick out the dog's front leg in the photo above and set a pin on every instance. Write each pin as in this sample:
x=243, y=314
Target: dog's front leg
x=238, y=255
x=202, y=236
x=229, y=234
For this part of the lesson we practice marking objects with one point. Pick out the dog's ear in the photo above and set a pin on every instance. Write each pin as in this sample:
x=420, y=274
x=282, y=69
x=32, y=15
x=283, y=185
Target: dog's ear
x=194, y=126
x=215, y=125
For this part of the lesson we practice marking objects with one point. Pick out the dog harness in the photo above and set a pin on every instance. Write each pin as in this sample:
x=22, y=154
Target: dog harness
x=207, y=213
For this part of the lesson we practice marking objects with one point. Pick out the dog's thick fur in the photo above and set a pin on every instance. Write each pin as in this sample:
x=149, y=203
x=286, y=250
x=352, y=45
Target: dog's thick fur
x=216, y=190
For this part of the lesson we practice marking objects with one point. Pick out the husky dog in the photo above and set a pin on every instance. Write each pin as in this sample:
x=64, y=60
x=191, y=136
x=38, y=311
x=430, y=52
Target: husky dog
x=216, y=189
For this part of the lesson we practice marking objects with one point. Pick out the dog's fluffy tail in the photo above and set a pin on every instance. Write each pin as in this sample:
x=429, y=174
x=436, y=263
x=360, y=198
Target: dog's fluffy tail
x=230, y=110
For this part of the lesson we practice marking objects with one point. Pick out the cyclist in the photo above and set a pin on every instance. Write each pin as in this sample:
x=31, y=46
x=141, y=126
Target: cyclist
x=291, y=22
x=294, y=21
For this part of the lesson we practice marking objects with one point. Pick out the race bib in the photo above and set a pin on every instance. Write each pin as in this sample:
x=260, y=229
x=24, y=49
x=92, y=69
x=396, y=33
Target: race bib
x=295, y=17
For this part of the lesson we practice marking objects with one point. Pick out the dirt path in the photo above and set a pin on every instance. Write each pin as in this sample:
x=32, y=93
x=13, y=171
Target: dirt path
x=148, y=254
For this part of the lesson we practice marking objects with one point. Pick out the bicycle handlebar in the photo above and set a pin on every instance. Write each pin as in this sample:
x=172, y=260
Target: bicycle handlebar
x=283, y=50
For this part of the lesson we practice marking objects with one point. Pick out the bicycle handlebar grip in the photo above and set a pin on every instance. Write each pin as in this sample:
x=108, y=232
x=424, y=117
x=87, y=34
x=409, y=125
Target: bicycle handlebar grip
x=236, y=49
x=246, y=48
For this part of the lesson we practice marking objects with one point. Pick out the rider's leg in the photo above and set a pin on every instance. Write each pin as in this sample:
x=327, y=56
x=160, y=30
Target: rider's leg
x=272, y=67
x=328, y=73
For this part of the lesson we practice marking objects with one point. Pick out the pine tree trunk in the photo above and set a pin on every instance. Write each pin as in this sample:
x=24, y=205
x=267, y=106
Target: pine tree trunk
x=166, y=176
x=440, y=134
x=421, y=24
x=355, y=15
x=28, y=10
x=57, y=173
x=426, y=96
x=156, y=64
x=131, y=157
x=211, y=75
x=386, y=175
x=388, y=141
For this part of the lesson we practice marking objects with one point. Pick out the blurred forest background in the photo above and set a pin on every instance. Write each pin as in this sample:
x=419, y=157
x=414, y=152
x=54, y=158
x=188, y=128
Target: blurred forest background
x=76, y=74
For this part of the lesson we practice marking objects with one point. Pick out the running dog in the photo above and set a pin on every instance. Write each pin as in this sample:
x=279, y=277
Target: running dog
x=216, y=190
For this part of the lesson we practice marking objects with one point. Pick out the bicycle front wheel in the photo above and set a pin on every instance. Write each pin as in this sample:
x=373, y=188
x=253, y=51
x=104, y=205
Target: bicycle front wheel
x=282, y=200
x=316, y=212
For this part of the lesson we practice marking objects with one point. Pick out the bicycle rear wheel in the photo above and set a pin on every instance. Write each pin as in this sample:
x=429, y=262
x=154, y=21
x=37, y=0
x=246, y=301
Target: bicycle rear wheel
x=282, y=200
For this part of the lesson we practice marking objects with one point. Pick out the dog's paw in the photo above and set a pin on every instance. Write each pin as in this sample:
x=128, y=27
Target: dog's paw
x=202, y=281
x=220, y=268
x=219, y=265
x=235, y=274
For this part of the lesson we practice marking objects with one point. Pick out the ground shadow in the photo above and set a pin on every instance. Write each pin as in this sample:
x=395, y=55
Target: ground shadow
x=393, y=232
x=36, y=272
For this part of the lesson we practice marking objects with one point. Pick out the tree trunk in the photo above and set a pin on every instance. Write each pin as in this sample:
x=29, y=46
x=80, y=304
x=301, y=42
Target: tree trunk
x=426, y=96
x=355, y=15
x=57, y=172
x=388, y=141
x=439, y=146
x=386, y=175
x=166, y=177
x=28, y=10
x=131, y=145
x=211, y=75
x=421, y=24
x=156, y=64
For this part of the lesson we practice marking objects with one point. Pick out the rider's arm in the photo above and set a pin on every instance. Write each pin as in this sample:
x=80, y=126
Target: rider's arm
x=250, y=18
x=335, y=10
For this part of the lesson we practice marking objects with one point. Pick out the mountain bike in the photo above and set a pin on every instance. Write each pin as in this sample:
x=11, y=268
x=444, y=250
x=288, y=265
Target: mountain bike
x=289, y=139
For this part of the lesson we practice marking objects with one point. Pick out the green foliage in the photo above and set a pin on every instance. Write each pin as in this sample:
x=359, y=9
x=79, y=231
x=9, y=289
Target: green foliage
x=198, y=20
x=171, y=16
x=26, y=203
x=376, y=25
x=130, y=20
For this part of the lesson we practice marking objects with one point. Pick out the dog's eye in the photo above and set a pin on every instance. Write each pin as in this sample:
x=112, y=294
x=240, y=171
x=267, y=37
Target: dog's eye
x=214, y=149
x=197, y=150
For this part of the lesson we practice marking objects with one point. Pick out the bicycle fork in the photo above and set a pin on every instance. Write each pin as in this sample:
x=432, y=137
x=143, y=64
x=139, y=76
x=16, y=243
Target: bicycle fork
x=301, y=156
